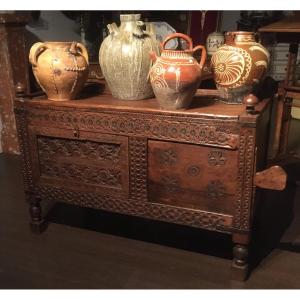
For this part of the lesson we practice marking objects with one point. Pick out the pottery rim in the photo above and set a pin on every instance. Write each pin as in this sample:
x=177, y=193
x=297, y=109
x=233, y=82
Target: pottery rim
x=130, y=17
x=235, y=36
x=59, y=43
x=176, y=52
x=240, y=33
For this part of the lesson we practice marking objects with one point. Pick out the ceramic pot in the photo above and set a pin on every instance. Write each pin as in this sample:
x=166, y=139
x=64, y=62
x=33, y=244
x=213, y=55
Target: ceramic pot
x=239, y=65
x=213, y=42
x=124, y=58
x=60, y=68
x=176, y=74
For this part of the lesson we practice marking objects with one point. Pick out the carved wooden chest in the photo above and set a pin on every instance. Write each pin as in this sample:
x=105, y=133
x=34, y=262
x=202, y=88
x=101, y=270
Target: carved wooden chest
x=193, y=167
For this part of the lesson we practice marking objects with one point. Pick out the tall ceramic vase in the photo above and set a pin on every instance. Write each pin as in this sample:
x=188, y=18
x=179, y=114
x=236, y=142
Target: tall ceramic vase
x=124, y=58
x=239, y=65
x=60, y=68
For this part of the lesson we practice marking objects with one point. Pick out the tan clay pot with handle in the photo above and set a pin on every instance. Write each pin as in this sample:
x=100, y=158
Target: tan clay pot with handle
x=60, y=68
x=176, y=74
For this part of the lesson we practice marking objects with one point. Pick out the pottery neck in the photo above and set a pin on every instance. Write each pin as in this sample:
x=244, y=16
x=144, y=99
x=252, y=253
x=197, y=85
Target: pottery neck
x=177, y=54
x=236, y=37
x=129, y=23
x=58, y=45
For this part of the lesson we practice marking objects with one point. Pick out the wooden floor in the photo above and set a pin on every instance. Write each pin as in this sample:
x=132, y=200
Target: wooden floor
x=83, y=248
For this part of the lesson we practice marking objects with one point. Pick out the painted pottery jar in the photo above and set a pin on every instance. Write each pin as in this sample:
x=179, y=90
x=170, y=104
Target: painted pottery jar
x=124, y=58
x=239, y=65
x=213, y=42
x=60, y=68
x=176, y=74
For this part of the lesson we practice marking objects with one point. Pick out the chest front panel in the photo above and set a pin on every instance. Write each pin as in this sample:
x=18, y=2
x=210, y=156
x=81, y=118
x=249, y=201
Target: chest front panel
x=178, y=169
x=193, y=176
x=92, y=162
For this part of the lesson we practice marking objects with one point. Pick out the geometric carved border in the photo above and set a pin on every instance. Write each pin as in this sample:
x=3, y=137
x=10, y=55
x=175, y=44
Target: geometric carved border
x=245, y=176
x=199, y=219
x=138, y=168
x=23, y=137
x=198, y=131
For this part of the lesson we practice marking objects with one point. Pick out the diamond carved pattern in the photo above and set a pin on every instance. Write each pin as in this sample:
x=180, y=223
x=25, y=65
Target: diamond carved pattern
x=49, y=146
x=70, y=160
x=83, y=174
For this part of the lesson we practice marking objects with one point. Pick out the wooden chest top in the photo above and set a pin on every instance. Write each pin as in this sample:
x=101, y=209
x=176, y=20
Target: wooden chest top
x=207, y=107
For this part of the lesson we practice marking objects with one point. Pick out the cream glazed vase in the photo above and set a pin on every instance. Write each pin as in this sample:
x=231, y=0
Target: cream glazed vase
x=124, y=58
x=60, y=68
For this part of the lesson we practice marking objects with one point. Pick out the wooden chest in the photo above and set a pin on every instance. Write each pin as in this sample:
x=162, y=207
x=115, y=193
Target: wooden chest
x=193, y=167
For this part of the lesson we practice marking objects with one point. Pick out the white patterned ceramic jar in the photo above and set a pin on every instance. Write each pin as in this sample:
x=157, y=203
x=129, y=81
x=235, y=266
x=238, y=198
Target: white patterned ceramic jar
x=214, y=41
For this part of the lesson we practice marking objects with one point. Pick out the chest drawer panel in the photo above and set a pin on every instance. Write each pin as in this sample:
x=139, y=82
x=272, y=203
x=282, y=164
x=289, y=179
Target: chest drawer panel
x=192, y=176
x=92, y=162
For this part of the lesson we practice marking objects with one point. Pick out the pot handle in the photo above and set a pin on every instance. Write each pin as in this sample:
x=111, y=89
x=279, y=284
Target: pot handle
x=178, y=35
x=83, y=51
x=203, y=55
x=35, y=51
x=138, y=31
x=113, y=28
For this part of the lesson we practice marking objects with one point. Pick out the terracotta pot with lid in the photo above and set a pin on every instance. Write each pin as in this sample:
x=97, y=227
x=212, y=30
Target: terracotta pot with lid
x=239, y=65
x=176, y=74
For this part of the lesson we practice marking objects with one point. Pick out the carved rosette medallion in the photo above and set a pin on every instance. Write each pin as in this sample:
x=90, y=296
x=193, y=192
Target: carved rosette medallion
x=216, y=190
x=193, y=170
x=170, y=183
x=167, y=157
x=216, y=158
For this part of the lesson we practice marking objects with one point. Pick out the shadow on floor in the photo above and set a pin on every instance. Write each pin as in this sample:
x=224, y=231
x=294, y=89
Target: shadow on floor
x=172, y=235
x=275, y=212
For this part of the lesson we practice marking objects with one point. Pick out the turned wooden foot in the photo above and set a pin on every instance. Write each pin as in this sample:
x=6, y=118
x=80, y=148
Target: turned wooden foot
x=239, y=268
x=37, y=223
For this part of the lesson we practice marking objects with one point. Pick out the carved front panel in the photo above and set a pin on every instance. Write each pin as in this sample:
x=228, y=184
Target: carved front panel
x=78, y=149
x=219, y=133
x=60, y=158
x=192, y=176
x=92, y=163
